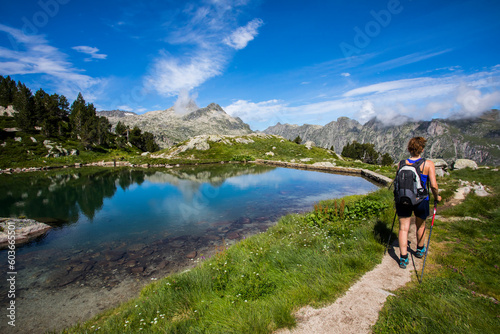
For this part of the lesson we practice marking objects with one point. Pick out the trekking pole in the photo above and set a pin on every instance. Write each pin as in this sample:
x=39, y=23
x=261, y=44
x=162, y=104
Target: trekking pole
x=389, y=240
x=428, y=241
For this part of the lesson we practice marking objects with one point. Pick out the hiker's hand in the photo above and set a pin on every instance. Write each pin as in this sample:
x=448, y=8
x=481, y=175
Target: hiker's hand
x=438, y=199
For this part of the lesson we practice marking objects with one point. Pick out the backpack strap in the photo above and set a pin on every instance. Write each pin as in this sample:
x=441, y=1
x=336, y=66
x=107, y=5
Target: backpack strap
x=401, y=164
x=417, y=165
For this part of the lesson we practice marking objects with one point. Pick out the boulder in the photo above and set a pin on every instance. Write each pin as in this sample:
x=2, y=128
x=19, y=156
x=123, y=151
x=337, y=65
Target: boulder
x=270, y=154
x=440, y=164
x=440, y=172
x=464, y=163
x=309, y=144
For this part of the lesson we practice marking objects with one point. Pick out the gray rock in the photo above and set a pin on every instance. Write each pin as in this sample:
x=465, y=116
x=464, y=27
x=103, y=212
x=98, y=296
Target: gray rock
x=309, y=144
x=324, y=164
x=440, y=172
x=464, y=163
x=440, y=163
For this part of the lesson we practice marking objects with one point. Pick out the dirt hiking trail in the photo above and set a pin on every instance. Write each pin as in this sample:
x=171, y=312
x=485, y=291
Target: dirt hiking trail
x=358, y=309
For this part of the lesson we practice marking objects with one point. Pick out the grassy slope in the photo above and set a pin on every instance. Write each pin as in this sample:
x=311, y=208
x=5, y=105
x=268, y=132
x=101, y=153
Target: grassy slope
x=461, y=288
x=255, y=285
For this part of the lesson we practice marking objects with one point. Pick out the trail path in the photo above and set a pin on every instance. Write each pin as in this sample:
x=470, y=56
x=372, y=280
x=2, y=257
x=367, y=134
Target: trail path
x=358, y=309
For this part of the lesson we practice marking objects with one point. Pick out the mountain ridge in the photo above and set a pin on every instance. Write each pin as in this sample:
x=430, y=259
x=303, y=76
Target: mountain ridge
x=169, y=127
x=450, y=139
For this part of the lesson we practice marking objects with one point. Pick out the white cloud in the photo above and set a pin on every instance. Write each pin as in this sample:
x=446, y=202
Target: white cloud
x=203, y=32
x=406, y=60
x=345, y=74
x=383, y=87
x=241, y=36
x=367, y=112
x=170, y=75
x=265, y=112
x=91, y=51
x=473, y=102
x=125, y=108
x=391, y=102
x=32, y=54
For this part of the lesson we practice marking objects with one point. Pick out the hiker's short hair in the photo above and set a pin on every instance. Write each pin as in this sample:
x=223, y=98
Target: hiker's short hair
x=416, y=145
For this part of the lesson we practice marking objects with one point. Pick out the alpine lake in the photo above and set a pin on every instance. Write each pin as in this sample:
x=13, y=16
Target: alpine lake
x=116, y=229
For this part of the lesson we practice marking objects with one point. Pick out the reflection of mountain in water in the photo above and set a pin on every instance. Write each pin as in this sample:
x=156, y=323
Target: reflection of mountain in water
x=213, y=174
x=59, y=196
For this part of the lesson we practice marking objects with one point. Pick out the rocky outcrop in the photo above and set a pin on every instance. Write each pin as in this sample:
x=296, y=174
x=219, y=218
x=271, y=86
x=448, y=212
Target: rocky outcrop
x=116, y=113
x=169, y=127
x=467, y=187
x=477, y=139
x=464, y=163
x=22, y=230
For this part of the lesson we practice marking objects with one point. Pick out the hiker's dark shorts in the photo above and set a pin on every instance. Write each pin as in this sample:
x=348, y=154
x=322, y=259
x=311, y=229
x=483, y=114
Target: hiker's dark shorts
x=421, y=210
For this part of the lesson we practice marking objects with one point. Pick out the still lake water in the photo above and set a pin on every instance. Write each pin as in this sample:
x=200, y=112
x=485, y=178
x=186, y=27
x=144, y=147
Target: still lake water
x=115, y=229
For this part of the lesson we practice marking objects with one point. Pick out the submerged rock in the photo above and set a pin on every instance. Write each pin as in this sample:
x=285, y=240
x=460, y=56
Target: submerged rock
x=192, y=255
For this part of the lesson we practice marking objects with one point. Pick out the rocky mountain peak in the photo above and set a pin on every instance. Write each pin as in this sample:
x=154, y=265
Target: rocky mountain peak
x=477, y=139
x=116, y=113
x=170, y=127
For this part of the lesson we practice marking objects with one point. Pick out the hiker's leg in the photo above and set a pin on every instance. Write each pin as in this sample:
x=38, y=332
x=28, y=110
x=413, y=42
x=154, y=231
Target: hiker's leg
x=420, y=231
x=421, y=214
x=404, y=226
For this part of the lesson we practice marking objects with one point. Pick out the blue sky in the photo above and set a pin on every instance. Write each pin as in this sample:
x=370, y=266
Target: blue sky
x=264, y=61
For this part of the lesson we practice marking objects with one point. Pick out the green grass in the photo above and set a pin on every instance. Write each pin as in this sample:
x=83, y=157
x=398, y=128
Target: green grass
x=255, y=285
x=461, y=286
x=284, y=150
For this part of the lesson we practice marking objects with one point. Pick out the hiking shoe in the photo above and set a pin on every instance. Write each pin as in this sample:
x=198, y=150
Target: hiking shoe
x=420, y=253
x=403, y=262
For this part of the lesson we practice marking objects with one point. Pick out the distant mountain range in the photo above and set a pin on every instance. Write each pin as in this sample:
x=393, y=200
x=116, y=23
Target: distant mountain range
x=476, y=138
x=170, y=128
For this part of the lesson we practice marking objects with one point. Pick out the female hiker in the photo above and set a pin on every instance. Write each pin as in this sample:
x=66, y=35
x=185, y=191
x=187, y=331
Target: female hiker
x=405, y=208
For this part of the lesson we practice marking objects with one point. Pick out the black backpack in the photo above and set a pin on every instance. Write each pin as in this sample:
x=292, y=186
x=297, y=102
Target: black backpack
x=408, y=187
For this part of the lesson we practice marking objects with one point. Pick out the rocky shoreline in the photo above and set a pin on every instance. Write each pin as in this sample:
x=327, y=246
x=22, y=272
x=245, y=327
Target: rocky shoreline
x=104, y=164
x=23, y=230
x=384, y=180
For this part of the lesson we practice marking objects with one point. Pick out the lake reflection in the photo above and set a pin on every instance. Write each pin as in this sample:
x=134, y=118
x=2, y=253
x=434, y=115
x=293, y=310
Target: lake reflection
x=113, y=226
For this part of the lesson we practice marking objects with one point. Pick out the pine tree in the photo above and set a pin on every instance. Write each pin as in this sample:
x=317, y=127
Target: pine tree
x=77, y=115
x=8, y=90
x=41, y=99
x=387, y=160
x=23, y=103
x=297, y=140
x=120, y=129
x=150, y=144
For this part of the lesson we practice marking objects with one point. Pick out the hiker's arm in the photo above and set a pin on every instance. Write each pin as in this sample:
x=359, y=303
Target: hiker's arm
x=433, y=182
